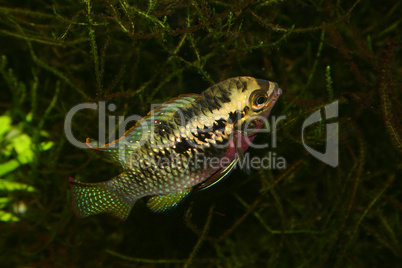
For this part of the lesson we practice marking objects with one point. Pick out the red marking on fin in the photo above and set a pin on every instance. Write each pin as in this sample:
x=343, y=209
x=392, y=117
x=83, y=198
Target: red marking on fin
x=91, y=144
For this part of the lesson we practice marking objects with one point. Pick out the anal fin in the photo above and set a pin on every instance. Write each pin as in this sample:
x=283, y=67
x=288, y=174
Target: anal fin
x=160, y=203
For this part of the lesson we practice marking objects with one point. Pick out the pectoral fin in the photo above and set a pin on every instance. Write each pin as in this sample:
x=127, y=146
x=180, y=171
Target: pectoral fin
x=219, y=175
x=160, y=203
x=240, y=156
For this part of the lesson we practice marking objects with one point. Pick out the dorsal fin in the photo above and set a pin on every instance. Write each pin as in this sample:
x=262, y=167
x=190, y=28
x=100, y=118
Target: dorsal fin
x=132, y=137
x=160, y=203
x=168, y=108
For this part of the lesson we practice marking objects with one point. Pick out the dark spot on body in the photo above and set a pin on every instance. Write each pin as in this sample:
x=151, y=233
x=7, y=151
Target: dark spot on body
x=241, y=85
x=235, y=116
x=182, y=146
x=244, y=86
x=219, y=125
x=158, y=154
x=203, y=134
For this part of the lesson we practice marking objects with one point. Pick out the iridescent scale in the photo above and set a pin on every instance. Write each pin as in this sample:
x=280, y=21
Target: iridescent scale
x=159, y=154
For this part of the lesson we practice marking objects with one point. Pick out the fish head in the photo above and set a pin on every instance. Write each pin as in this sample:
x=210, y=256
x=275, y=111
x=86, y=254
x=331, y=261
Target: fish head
x=254, y=103
x=262, y=97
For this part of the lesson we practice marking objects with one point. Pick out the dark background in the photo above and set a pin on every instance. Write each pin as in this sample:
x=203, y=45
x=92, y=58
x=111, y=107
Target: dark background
x=57, y=54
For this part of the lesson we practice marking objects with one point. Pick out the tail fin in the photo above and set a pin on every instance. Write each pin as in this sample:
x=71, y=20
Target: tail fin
x=95, y=198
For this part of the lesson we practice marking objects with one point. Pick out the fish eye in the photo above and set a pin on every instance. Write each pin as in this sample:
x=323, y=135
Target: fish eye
x=259, y=99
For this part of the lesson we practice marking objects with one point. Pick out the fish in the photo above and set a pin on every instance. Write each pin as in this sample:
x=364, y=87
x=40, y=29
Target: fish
x=187, y=144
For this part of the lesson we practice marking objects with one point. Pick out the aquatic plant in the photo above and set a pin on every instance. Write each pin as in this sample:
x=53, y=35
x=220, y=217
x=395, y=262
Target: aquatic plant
x=56, y=54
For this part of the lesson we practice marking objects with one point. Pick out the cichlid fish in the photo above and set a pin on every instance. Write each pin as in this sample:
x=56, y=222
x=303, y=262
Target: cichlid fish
x=188, y=143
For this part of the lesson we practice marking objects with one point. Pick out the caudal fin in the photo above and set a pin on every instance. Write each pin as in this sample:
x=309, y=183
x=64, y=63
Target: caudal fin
x=96, y=198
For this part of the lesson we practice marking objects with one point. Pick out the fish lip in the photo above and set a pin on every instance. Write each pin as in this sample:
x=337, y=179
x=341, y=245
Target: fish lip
x=275, y=94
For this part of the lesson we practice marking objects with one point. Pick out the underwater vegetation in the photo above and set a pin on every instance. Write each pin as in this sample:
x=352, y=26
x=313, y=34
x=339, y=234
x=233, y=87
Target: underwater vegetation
x=55, y=55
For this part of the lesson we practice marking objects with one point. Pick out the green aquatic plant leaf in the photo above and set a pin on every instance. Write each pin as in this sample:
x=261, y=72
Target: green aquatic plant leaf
x=19, y=142
x=4, y=201
x=5, y=125
x=6, y=216
x=46, y=145
x=10, y=186
x=8, y=166
x=22, y=144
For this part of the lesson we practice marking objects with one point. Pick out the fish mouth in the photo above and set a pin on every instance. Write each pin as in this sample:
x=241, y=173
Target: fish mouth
x=276, y=92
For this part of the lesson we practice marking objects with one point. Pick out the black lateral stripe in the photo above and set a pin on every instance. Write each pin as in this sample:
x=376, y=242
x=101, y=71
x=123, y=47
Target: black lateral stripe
x=219, y=125
x=182, y=146
x=158, y=154
x=203, y=133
